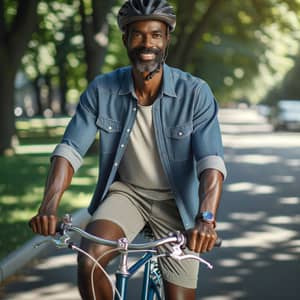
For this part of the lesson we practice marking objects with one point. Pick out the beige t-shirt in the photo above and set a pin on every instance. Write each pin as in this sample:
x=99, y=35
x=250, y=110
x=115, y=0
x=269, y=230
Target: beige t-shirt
x=141, y=165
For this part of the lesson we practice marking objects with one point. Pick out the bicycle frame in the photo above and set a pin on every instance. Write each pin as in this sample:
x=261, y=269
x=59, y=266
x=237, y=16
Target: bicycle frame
x=149, y=289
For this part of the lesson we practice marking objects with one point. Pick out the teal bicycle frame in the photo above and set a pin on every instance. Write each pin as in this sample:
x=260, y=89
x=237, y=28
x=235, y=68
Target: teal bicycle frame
x=151, y=286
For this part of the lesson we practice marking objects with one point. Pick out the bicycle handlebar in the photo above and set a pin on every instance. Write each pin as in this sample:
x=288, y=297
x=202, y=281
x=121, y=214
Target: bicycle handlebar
x=177, y=238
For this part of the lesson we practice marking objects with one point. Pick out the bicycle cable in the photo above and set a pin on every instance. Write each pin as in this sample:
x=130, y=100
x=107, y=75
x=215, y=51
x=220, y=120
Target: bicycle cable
x=96, y=263
x=114, y=289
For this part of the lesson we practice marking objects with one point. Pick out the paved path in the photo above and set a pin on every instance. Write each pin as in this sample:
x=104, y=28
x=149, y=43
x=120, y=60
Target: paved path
x=259, y=220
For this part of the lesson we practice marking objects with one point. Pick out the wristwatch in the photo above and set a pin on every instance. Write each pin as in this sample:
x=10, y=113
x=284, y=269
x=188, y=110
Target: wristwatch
x=207, y=217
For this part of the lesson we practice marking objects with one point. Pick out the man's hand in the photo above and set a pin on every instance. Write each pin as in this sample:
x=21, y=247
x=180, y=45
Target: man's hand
x=202, y=237
x=44, y=224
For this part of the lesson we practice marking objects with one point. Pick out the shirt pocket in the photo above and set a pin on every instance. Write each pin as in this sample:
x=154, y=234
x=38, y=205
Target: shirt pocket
x=110, y=131
x=179, y=141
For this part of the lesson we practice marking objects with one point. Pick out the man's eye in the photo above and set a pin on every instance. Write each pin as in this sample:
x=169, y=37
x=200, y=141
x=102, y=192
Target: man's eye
x=157, y=35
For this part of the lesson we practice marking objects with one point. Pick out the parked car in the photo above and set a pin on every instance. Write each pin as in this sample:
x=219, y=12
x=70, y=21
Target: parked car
x=286, y=115
x=264, y=110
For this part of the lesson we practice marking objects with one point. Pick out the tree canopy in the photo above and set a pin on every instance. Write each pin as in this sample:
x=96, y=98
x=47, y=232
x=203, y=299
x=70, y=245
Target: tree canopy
x=237, y=46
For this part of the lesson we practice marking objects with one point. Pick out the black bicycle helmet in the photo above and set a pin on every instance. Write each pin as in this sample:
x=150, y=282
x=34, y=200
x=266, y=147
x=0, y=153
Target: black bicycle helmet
x=140, y=10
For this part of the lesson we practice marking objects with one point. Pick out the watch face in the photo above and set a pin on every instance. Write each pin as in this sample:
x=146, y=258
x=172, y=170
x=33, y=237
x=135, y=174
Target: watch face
x=208, y=216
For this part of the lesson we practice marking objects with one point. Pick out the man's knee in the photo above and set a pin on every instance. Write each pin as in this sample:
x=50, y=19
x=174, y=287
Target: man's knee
x=85, y=262
x=104, y=229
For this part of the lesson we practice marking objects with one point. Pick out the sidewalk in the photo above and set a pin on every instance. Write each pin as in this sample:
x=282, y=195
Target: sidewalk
x=18, y=259
x=53, y=277
x=50, y=278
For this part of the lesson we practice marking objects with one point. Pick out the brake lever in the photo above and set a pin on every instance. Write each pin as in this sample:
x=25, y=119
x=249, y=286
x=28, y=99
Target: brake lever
x=61, y=242
x=178, y=254
x=191, y=256
x=64, y=240
x=37, y=245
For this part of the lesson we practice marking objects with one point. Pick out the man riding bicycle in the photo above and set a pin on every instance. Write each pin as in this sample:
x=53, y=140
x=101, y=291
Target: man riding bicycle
x=160, y=154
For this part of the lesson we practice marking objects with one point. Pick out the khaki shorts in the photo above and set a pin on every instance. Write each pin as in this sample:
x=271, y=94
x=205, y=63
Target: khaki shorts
x=131, y=208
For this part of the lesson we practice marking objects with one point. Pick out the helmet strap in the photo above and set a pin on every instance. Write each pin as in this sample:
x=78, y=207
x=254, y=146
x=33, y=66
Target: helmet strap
x=151, y=74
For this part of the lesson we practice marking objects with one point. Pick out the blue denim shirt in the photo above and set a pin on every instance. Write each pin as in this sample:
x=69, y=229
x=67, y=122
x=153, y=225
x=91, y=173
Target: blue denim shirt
x=186, y=129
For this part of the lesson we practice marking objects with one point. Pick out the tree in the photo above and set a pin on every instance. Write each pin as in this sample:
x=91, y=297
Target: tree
x=16, y=27
x=68, y=48
x=288, y=88
x=192, y=22
x=18, y=21
x=229, y=44
x=55, y=54
x=95, y=30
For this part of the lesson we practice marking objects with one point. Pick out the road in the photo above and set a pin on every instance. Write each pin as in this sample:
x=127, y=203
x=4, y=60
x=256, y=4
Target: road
x=259, y=221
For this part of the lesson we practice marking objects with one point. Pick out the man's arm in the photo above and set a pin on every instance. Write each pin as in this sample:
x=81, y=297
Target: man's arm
x=59, y=179
x=203, y=236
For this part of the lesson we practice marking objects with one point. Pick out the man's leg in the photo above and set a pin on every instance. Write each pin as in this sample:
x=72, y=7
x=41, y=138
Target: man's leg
x=175, y=292
x=108, y=230
x=180, y=277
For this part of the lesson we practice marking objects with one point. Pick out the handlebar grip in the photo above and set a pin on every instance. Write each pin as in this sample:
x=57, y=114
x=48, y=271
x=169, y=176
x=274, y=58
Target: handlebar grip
x=218, y=242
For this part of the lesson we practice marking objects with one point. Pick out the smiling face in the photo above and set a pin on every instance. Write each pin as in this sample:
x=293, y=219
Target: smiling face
x=146, y=43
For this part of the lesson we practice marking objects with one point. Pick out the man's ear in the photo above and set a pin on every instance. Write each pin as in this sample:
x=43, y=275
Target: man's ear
x=125, y=39
x=168, y=36
x=168, y=39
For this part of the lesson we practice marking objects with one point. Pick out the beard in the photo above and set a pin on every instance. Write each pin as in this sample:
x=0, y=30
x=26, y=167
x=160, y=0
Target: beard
x=149, y=65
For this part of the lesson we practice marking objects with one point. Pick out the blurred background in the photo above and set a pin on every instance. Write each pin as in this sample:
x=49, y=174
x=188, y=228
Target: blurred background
x=247, y=51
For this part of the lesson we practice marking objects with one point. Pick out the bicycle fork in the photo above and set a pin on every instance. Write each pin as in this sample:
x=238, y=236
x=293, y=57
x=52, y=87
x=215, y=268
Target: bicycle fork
x=123, y=275
x=150, y=285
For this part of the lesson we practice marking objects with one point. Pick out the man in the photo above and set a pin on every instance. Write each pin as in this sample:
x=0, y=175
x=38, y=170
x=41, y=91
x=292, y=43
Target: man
x=159, y=138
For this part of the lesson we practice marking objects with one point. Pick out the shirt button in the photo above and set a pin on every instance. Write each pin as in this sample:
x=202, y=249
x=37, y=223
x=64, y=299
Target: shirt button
x=122, y=146
x=180, y=133
x=109, y=128
x=116, y=164
x=134, y=109
x=128, y=130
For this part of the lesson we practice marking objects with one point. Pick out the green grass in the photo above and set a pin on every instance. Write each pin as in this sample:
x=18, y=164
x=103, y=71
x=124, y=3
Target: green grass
x=22, y=179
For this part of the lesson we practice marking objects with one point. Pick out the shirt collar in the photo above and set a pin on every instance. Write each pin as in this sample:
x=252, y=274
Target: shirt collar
x=127, y=85
x=168, y=87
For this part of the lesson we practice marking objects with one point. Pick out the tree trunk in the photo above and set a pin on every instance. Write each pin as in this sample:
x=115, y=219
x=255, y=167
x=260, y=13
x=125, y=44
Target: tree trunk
x=37, y=90
x=181, y=52
x=95, y=34
x=63, y=88
x=49, y=99
x=7, y=117
x=13, y=41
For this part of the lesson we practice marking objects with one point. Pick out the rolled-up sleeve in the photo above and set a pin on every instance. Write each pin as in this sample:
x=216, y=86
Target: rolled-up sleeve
x=81, y=131
x=206, y=140
x=70, y=154
x=212, y=162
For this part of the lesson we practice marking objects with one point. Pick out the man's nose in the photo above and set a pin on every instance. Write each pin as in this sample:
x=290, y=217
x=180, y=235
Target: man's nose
x=147, y=41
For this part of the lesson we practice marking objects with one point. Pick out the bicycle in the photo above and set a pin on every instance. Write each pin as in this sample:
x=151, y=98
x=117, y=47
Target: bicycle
x=152, y=288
